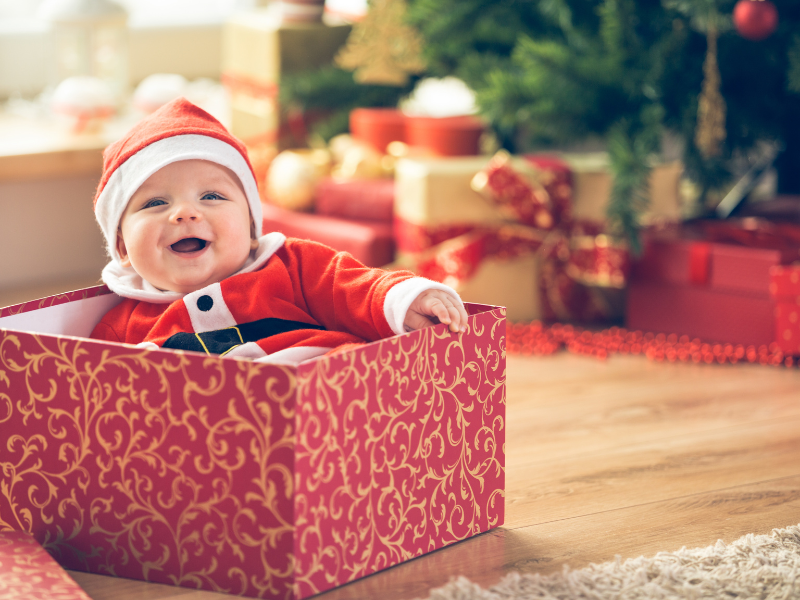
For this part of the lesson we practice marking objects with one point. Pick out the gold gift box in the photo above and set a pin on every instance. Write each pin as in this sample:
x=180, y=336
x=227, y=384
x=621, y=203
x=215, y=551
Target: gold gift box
x=258, y=48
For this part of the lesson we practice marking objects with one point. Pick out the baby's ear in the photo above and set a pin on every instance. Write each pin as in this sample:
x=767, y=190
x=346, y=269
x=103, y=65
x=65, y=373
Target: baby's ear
x=124, y=259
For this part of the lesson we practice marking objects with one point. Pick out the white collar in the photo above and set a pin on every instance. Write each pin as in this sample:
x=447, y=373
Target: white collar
x=126, y=282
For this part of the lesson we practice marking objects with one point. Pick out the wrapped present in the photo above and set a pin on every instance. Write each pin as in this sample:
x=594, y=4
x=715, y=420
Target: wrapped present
x=246, y=478
x=28, y=572
x=258, y=47
x=445, y=136
x=370, y=242
x=711, y=280
x=434, y=201
x=378, y=127
x=569, y=264
x=785, y=291
x=363, y=199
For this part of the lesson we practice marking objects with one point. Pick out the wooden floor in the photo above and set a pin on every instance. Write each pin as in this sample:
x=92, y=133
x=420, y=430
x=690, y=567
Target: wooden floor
x=624, y=457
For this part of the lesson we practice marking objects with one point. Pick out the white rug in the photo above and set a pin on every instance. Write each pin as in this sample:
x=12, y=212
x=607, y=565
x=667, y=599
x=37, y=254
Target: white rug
x=754, y=566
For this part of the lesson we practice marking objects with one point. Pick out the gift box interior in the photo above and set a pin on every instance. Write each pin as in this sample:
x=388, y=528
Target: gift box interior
x=262, y=480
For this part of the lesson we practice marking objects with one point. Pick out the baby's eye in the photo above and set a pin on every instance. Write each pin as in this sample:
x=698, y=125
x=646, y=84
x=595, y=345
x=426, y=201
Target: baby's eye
x=154, y=202
x=212, y=196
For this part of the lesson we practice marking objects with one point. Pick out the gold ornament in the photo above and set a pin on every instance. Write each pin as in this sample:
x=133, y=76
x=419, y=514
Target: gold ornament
x=293, y=175
x=382, y=49
x=710, y=131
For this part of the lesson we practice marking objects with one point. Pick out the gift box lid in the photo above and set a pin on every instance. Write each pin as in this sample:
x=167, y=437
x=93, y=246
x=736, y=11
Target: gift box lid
x=28, y=572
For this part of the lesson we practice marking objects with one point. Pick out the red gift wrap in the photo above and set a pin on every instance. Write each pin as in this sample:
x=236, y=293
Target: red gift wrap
x=370, y=242
x=711, y=281
x=378, y=127
x=785, y=290
x=28, y=572
x=362, y=199
x=240, y=477
x=445, y=136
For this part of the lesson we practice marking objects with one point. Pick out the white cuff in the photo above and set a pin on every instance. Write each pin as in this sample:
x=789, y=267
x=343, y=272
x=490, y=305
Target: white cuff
x=148, y=345
x=293, y=355
x=404, y=293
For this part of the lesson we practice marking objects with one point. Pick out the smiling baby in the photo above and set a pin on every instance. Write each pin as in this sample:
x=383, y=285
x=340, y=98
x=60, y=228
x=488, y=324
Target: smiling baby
x=179, y=207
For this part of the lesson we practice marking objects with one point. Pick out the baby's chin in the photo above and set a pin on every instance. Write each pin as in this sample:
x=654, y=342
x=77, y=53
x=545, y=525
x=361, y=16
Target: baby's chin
x=186, y=283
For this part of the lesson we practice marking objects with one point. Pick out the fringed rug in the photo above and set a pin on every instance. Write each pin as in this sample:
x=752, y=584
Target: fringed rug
x=754, y=566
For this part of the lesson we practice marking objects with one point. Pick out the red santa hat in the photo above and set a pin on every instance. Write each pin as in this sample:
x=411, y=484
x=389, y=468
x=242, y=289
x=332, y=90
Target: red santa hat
x=177, y=131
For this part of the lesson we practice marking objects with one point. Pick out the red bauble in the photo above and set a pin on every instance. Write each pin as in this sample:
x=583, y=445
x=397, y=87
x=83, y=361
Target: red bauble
x=755, y=19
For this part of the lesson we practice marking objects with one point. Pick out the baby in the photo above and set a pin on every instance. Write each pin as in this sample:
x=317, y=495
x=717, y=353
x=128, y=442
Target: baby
x=181, y=215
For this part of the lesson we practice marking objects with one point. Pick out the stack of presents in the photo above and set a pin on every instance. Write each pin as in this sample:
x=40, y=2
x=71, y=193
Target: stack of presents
x=529, y=233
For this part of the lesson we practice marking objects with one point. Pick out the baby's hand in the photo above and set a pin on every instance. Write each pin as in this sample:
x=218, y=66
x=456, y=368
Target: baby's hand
x=435, y=306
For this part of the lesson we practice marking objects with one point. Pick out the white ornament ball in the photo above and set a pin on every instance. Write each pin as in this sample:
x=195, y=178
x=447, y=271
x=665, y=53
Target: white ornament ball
x=83, y=104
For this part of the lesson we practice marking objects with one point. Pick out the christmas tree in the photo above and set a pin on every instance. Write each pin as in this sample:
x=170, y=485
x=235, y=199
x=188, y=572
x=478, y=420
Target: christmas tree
x=552, y=72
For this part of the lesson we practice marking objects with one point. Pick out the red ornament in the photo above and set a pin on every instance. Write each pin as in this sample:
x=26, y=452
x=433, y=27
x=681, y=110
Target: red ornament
x=755, y=19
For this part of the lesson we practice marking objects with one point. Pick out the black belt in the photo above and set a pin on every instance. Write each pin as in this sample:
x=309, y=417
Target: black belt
x=222, y=341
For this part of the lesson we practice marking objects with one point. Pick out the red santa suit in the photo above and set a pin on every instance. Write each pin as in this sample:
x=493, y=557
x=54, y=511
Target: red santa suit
x=303, y=300
x=292, y=300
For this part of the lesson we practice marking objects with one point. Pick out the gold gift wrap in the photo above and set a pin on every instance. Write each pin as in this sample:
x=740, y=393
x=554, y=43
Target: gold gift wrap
x=510, y=282
x=437, y=191
x=592, y=182
x=258, y=48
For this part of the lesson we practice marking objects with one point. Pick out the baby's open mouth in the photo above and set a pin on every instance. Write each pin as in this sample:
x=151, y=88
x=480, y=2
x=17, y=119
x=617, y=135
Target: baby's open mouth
x=189, y=245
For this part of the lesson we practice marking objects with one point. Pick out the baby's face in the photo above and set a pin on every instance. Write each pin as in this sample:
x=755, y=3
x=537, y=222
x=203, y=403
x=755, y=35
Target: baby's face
x=186, y=227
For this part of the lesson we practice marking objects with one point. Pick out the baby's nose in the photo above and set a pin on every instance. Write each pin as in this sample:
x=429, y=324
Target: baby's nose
x=185, y=211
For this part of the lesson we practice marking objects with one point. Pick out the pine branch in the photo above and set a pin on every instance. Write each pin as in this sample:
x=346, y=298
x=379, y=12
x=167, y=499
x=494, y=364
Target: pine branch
x=334, y=91
x=631, y=146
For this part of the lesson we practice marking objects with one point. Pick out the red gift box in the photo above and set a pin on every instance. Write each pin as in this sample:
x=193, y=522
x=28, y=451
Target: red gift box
x=370, y=242
x=445, y=136
x=367, y=199
x=28, y=572
x=247, y=478
x=711, y=281
x=378, y=127
x=785, y=290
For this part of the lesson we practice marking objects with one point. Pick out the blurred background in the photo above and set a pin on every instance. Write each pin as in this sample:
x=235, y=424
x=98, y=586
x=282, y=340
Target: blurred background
x=573, y=160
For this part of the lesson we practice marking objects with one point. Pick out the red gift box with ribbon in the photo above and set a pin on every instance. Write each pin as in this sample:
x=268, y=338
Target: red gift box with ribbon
x=523, y=209
x=262, y=480
x=711, y=280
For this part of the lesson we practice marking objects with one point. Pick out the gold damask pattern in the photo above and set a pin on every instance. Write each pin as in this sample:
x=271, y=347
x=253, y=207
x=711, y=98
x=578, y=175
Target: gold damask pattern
x=400, y=451
x=27, y=572
x=246, y=478
x=161, y=466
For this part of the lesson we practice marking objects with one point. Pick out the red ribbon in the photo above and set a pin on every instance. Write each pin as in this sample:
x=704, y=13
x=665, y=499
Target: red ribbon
x=577, y=258
x=700, y=263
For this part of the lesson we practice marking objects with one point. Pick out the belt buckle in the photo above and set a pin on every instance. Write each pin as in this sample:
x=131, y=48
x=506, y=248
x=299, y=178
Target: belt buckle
x=202, y=343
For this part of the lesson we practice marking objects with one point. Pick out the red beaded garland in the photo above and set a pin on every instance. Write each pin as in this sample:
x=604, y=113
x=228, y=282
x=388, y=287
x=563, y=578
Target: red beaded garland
x=538, y=339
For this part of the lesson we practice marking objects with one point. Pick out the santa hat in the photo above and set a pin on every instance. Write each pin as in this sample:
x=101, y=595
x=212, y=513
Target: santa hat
x=177, y=131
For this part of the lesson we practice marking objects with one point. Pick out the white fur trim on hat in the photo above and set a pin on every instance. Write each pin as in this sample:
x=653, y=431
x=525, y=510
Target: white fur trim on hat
x=131, y=174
